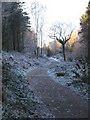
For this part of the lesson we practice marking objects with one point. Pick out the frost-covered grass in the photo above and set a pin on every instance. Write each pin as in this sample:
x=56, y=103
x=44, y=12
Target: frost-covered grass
x=74, y=74
x=19, y=101
x=17, y=98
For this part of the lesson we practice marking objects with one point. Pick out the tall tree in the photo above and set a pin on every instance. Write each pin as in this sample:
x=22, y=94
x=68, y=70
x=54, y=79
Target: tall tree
x=37, y=11
x=85, y=27
x=85, y=22
x=14, y=25
x=62, y=33
x=42, y=23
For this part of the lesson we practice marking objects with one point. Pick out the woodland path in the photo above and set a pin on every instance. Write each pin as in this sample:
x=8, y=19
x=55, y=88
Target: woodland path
x=61, y=101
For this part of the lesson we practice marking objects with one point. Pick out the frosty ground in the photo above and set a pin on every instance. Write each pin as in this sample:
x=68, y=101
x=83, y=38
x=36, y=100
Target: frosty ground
x=60, y=71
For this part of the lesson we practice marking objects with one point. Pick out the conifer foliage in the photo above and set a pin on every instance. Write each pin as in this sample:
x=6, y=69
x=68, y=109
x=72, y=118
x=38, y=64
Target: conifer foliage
x=14, y=25
x=85, y=23
x=85, y=28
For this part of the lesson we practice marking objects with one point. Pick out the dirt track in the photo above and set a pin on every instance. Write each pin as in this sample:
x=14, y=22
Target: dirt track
x=61, y=101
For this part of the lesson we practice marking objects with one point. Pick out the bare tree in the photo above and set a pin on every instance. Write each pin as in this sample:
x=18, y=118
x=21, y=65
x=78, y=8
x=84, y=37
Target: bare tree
x=42, y=23
x=37, y=11
x=62, y=33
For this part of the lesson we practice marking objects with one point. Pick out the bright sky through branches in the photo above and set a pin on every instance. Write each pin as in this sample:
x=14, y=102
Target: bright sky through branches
x=62, y=10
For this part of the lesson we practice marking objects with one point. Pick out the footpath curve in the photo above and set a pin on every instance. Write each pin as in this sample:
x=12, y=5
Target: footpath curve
x=61, y=101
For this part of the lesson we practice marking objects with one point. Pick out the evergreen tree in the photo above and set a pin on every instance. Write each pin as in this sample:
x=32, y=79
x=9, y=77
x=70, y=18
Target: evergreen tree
x=15, y=24
x=85, y=23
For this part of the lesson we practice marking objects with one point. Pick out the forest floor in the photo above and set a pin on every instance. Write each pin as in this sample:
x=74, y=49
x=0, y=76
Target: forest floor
x=52, y=95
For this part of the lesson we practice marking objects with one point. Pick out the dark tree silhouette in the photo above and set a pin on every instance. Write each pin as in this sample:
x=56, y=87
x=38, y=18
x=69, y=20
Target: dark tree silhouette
x=62, y=33
x=63, y=42
x=14, y=25
x=85, y=25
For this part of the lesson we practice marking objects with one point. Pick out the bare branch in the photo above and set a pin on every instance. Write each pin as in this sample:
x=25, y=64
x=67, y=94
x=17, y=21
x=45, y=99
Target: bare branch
x=61, y=30
x=59, y=40
x=52, y=36
x=69, y=36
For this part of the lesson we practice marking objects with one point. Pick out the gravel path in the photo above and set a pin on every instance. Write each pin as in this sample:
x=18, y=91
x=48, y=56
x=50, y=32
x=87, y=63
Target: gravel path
x=61, y=101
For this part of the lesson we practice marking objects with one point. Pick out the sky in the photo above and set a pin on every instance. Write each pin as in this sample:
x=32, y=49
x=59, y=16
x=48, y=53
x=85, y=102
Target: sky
x=62, y=11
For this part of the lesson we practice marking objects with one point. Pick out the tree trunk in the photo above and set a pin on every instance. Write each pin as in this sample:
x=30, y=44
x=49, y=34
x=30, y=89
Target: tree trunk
x=37, y=52
x=41, y=43
x=64, y=52
x=18, y=38
x=22, y=41
x=7, y=45
x=14, y=41
x=18, y=42
x=41, y=50
x=7, y=42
